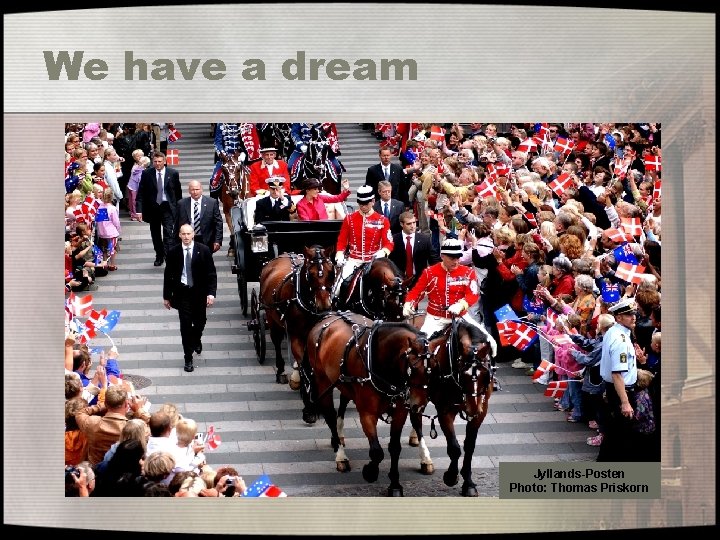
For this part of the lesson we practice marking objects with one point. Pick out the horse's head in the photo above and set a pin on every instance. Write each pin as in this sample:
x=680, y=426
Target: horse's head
x=385, y=290
x=234, y=172
x=473, y=368
x=318, y=275
x=419, y=360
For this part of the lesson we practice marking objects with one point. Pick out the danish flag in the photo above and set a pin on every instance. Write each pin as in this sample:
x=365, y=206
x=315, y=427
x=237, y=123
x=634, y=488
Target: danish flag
x=556, y=388
x=80, y=305
x=620, y=167
x=502, y=169
x=564, y=146
x=543, y=368
x=491, y=172
x=173, y=135
x=631, y=226
x=516, y=334
x=656, y=189
x=527, y=146
x=173, y=156
x=97, y=318
x=487, y=189
x=618, y=236
x=87, y=331
x=632, y=273
x=212, y=439
x=551, y=315
x=541, y=134
x=561, y=184
x=531, y=219
x=652, y=163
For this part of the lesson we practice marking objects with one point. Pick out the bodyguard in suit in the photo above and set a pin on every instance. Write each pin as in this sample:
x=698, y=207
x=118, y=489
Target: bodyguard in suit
x=391, y=172
x=156, y=203
x=277, y=206
x=389, y=207
x=420, y=249
x=190, y=286
x=202, y=213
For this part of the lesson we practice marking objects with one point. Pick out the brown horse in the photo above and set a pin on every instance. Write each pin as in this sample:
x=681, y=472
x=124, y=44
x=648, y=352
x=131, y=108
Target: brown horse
x=295, y=292
x=236, y=176
x=461, y=383
x=382, y=367
x=376, y=290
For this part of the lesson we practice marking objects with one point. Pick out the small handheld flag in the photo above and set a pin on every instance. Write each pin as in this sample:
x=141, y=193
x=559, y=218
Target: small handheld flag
x=263, y=487
x=506, y=313
x=556, y=388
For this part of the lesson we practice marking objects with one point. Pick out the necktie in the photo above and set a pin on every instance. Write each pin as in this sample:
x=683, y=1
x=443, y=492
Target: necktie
x=188, y=269
x=408, y=258
x=387, y=173
x=196, y=217
x=277, y=204
x=386, y=211
x=159, y=188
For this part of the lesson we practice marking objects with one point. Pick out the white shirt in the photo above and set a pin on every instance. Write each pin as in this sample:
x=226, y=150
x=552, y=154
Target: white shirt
x=183, y=278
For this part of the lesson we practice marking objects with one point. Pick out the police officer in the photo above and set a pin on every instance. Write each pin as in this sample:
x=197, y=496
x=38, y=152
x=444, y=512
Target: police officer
x=618, y=369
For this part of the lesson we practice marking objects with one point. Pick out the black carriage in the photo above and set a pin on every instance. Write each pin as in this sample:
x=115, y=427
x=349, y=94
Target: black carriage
x=256, y=244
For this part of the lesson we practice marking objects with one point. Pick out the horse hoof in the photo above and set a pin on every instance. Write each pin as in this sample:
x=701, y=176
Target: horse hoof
x=342, y=466
x=231, y=253
x=342, y=441
x=281, y=378
x=470, y=491
x=370, y=473
x=395, y=492
x=413, y=441
x=450, y=479
x=427, y=468
x=309, y=418
x=294, y=381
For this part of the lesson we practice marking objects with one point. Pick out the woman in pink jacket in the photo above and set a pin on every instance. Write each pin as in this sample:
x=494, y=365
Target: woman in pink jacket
x=108, y=229
x=312, y=206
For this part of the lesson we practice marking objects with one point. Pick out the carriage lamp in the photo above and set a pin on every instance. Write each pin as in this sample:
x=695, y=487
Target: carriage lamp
x=259, y=239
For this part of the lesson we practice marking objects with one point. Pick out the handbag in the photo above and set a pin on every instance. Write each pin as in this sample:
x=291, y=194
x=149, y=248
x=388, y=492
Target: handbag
x=644, y=418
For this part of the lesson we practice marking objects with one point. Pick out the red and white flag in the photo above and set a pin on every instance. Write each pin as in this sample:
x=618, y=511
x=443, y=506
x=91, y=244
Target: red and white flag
x=491, y=172
x=560, y=339
x=556, y=388
x=97, y=318
x=620, y=166
x=631, y=226
x=80, y=305
x=652, y=163
x=527, y=146
x=531, y=219
x=87, y=332
x=541, y=134
x=632, y=273
x=552, y=316
x=564, y=146
x=516, y=334
x=619, y=236
x=173, y=135
x=656, y=189
x=212, y=439
x=487, y=189
x=561, y=184
x=173, y=156
x=502, y=169
x=543, y=368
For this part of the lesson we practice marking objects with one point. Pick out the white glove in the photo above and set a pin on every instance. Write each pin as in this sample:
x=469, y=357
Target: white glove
x=493, y=346
x=408, y=310
x=381, y=253
x=339, y=258
x=457, y=308
x=303, y=148
x=241, y=157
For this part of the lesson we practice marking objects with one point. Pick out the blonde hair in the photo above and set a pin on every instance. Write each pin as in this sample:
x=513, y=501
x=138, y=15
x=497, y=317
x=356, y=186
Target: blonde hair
x=107, y=195
x=185, y=431
x=172, y=412
x=135, y=429
x=504, y=235
x=137, y=154
x=158, y=465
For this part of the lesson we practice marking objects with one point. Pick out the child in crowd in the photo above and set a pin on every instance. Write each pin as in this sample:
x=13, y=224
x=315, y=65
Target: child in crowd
x=141, y=163
x=108, y=227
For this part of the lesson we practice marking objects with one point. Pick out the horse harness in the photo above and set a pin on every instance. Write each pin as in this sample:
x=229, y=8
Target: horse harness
x=359, y=283
x=393, y=392
x=298, y=262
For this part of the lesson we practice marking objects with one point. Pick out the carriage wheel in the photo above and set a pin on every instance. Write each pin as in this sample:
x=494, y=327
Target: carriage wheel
x=258, y=318
x=242, y=292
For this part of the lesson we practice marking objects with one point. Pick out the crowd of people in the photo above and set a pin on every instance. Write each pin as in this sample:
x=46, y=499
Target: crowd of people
x=560, y=222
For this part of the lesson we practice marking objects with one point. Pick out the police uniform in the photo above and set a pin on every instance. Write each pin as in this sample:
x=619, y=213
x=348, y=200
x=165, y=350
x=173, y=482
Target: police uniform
x=365, y=235
x=620, y=441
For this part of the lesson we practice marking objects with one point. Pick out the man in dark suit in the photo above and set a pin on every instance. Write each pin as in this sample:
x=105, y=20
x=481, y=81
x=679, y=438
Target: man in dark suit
x=390, y=208
x=391, y=172
x=190, y=285
x=277, y=206
x=202, y=213
x=157, y=206
x=422, y=252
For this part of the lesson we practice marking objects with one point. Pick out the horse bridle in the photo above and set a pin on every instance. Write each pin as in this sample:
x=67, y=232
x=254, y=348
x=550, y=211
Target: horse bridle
x=388, y=291
x=320, y=260
x=233, y=169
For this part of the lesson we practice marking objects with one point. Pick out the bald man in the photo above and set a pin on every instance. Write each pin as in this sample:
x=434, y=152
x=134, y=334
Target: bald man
x=204, y=209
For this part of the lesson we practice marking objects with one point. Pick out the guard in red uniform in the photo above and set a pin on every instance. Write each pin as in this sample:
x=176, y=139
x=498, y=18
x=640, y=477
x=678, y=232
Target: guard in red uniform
x=451, y=289
x=268, y=166
x=365, y=234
